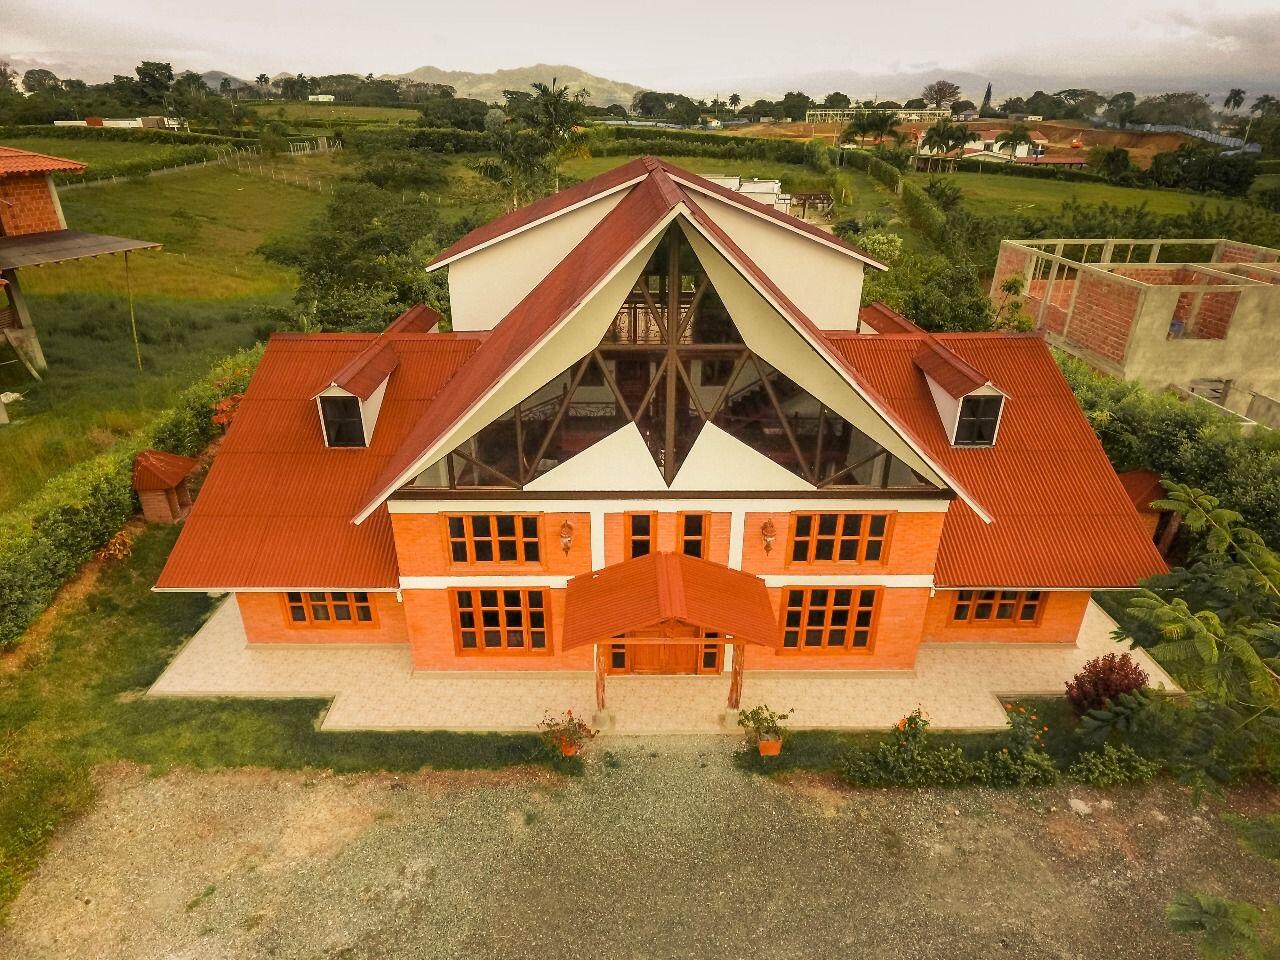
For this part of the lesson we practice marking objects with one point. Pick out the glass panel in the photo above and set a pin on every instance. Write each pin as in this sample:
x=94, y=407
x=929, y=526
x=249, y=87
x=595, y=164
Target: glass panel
x=529, y=527
x=294, y=597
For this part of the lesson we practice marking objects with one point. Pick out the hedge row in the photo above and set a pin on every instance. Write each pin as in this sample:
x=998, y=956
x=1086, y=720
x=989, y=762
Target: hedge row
x=1028, y=170
x=876, y=168
x=177, y=157
x=45, y=539
x=123, y=134
x=923, y=213
x=442, y=140
x=727, y=148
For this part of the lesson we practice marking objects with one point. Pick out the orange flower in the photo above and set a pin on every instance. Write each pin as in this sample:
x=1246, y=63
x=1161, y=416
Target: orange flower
x=902, y=724
x=1046, y=728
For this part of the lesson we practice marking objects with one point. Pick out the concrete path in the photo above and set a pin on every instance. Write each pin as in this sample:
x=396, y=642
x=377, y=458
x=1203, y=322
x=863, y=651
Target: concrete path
x=375, y=688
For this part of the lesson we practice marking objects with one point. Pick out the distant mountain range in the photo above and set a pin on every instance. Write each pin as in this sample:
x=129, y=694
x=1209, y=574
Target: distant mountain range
x=489, y=86
x=213, y=80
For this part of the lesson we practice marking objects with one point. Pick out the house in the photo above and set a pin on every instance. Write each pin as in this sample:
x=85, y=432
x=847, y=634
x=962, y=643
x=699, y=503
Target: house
x=1198, y=315
x=33, y=232
x=968, y=116
x=667, y=442
x=767, y=192
x=320, y=98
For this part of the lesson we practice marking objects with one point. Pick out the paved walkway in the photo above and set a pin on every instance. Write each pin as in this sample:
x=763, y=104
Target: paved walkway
x=375, y=688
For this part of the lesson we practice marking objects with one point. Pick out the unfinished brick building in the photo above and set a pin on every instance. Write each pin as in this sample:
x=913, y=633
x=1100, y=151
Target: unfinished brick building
x=1201, y=316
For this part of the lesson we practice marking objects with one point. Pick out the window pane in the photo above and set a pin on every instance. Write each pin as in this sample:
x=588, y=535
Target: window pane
x=804, y=523
x=800, y=550
x=297, y=614
x=464, y=598
x=294, y=597
x=791, y=638
x=535, y=598
x=341, y=611
x=878, y=524
x=456, y=528
x=844, y=598
x=962, y=612
x=873, y=549
x=319, y=612
x=484, y=550
x=532, y=551
x=640, y=524
x=506, y=526
x=826, y=550
x=529, y=527
x=827, y=523
x=848, y=549
x=458, y=551
x=481, y=527
x=507, y=550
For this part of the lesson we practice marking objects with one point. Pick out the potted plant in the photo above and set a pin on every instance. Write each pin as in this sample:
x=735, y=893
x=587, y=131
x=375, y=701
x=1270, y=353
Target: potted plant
x=764, y=726
x=568, y=733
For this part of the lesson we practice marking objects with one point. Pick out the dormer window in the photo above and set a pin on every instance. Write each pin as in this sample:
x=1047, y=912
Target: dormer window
x=979, y=419
x=343, y=425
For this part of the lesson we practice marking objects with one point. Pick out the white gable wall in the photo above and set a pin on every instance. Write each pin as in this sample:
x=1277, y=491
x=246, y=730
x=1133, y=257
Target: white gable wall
x=620, y=461
x=484, y=285
x=718, y=458
x=821, y=281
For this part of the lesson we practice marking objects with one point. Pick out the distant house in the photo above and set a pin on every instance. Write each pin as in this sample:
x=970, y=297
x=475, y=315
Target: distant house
x=768, y=192
x=320, y=98
x=968, y=116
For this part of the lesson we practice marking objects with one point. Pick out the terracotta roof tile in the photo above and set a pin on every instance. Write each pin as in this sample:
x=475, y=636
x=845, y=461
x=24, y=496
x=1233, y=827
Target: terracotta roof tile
x=14, y=161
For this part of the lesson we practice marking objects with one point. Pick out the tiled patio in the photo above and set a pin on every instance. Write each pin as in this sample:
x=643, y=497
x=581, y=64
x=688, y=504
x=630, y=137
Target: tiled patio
x=374, y=688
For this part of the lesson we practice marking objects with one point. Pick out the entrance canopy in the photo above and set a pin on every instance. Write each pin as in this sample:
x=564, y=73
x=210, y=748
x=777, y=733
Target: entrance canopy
x=57, y=246
x=665, y=594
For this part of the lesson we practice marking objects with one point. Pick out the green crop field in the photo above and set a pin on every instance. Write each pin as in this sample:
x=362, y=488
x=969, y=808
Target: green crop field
x=195, y=301
x=992, y=194
x=293, y=110
x=91, y=151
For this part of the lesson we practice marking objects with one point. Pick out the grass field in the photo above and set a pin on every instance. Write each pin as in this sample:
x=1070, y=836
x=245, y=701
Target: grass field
x=91, y=151
x=332, y=112
x=991, y=194
x=196, y=300
x=76, y=705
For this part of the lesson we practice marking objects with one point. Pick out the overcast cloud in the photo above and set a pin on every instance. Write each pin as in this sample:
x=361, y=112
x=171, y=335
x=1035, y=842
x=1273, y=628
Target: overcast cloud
x=692, y=45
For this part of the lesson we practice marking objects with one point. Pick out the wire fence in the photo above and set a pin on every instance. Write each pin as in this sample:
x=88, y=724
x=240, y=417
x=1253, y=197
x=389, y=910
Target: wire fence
x=242, y=159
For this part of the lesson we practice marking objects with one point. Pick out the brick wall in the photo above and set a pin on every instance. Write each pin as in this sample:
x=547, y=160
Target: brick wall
x=1103, y=315
x=429, y=616
x=1011, y=262
x=1213, y=320
x=897, y=635
x=422, y=548
x=1060, y=622
x=26, y=205
x=912, y=547
x=667, y=535
x=1244, y=253
x=267, y=621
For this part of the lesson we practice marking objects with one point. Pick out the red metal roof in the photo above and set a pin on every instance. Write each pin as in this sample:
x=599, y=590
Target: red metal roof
x=665, y=588
x=616, y=178
x=14, y=161
x=1143, y=487
x=946, y=369
x=275, y=511
x=1060, y=517
x=881, y=318
x=565, y=288
x=157, y=470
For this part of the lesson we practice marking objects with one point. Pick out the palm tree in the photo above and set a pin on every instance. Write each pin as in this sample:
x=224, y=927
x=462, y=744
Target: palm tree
x=1265, y=104
x=883, y=125
x=735, y=101
x=938, y=138
x=557, y=115
x=1016, y=136
x=857, y=129
x=521, y=165
x=263, y=82
x=1235, y=100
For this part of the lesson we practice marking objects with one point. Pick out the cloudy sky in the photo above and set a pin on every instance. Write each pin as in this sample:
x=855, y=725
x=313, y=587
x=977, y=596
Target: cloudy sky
x=695, y=45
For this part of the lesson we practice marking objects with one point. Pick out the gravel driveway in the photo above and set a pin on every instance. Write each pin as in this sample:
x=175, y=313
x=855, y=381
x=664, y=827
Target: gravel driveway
x=663, y=849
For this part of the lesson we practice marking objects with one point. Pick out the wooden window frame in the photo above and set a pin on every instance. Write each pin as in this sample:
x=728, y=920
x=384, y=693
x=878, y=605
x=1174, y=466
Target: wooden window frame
x=971, y=600
x=502, y=608
x=682, y=538
x=630, y=537
x=469, y=539
x=307, y=600
x=332, y=425
x=975, y=421
x=862, y=538
x=854, y=607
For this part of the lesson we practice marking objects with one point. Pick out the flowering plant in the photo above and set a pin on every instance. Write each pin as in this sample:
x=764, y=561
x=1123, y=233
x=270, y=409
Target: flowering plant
x=761, y=723
x=567, y=730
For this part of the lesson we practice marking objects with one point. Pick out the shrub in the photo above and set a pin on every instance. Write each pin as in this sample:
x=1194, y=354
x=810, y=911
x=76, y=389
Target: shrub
x=762, y=723
x=906, y=759
x=1020, y=761
x=885, y=247
x=1104, y=679
x=1112, y=767
x=46, y=538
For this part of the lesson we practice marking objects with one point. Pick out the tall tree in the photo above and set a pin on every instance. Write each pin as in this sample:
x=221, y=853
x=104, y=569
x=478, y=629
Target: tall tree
x=985, y=109
x=1234, y=100
x=836, y=101
x=735, y=101
x=41, y=81
x=521, y=164
x=940, y=93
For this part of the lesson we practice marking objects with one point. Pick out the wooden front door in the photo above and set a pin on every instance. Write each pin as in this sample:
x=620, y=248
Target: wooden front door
x=663, y=657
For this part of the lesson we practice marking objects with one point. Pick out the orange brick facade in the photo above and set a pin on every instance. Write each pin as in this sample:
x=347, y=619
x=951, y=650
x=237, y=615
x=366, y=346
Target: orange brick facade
x=424, y=615
x=27, y=205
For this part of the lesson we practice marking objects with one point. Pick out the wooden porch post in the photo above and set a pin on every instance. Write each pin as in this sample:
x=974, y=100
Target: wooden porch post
x=735, y=681
x=599, y=677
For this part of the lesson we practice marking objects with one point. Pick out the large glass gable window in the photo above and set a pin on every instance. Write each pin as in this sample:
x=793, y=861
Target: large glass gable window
x=671, y=361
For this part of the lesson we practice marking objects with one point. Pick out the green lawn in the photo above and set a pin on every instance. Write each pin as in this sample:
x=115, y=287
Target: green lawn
x=292, y=110
x=91, y=151
x=195, y=301
x=992, y=194
x=77, y=704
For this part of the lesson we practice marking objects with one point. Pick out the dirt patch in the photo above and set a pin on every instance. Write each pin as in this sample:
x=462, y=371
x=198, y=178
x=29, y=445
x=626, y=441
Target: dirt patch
x=667, y=850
